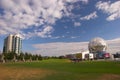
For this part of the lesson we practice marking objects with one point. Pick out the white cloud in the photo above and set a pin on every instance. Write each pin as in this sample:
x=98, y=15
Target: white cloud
x=62, y=48
x=112, y=9
x=113, y=45
x=57, y=37
x=90, y=16
x=76, y=24
x=73, y=37
x=20, y=15
x=45, y=32
x=85, y=1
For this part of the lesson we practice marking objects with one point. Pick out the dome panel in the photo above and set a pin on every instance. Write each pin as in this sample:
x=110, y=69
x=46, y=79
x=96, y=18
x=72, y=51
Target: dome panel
x=97, y=45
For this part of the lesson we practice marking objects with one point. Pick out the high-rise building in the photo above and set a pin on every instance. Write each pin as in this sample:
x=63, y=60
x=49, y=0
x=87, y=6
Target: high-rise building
x=12, y=43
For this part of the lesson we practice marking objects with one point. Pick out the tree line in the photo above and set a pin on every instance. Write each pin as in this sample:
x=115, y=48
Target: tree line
x=13, y=57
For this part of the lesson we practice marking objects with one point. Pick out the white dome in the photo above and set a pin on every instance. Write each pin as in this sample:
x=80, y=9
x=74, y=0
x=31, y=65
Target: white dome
x=97, y=44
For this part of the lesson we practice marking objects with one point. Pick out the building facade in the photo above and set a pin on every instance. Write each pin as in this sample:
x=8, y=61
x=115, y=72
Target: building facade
x=12, y=43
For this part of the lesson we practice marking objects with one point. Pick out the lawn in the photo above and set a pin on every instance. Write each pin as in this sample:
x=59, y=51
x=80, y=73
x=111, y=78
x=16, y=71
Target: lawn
x=61, y=69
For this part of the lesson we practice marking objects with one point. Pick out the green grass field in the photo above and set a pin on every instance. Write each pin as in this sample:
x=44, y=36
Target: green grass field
x=56, y=69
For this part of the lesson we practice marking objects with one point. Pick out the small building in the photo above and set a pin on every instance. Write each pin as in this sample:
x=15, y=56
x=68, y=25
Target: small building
x=85, y=55
x=107, y=55
x=116, y=56
x=91, y=56
x=70, y=56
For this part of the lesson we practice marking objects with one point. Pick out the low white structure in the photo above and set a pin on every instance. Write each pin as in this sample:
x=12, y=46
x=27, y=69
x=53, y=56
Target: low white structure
x=83, y=54
x=91, y=56
x=86, y=55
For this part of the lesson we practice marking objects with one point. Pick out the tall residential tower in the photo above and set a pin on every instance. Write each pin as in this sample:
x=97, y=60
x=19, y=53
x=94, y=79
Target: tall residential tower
x=12, y=43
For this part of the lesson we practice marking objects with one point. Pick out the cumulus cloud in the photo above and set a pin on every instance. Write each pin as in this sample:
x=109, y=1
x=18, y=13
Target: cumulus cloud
x=112, y=9
x=43, y=33
x=62, y=48
x=90, y=16
x=21, y=15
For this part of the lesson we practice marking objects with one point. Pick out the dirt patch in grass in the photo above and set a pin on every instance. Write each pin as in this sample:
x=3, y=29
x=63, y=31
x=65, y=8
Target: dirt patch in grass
x=16, y=73
x=109, y=77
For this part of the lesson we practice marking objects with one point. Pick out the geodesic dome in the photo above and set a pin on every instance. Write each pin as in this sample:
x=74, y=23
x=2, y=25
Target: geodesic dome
x=97, y=45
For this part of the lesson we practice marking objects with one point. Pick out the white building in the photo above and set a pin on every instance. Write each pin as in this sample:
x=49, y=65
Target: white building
x=91, y=56
x=12, y=43
x=86, y=55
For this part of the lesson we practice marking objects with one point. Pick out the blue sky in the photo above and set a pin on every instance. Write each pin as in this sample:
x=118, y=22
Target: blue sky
x=44, y=25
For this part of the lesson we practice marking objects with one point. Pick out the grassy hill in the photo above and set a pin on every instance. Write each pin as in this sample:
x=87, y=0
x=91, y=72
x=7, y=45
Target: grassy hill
x=61, y=69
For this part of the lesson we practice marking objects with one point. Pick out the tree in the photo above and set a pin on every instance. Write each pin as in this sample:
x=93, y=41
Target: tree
x=79, y=55
x=20, y=57
x=10, y=56
x=0, y=57
x=35, y=57
x=26, y=56
x=39, y=57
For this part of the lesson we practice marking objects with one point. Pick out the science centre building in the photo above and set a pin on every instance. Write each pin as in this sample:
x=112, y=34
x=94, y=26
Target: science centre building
x=98, y=47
